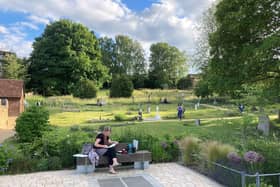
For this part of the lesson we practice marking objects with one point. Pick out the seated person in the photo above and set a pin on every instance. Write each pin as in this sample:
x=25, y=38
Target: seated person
x=101, y=145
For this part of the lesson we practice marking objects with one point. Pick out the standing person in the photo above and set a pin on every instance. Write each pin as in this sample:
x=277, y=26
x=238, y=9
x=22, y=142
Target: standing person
x=101, y=145
x=180, y=111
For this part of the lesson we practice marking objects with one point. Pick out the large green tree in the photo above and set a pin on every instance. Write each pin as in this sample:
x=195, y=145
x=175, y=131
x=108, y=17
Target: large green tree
x=124, y=55
x=245, y=48
x=167, y=65
x=14, y=68
x=65, y=53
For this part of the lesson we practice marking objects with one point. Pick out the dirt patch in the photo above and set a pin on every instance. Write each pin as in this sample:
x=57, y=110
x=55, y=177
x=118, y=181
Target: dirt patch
x=4, y=134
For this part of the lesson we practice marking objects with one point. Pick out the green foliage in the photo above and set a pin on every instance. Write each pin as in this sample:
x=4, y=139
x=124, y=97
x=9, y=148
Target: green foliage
x=162, y=150
x=190, y=149
x=32, y=123
x=120, y=117
x=85, y=89
x=4, y=156
x=202, y=89
x=121, y=86
x=65, y=53
x=262, y=185
x=184, y=83
x=13, y=68
x=167, y=65
x=245, y=46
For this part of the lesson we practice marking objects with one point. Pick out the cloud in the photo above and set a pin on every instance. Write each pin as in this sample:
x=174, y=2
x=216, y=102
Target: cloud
x=13, y=39
x=169, y=21
x=3, y=30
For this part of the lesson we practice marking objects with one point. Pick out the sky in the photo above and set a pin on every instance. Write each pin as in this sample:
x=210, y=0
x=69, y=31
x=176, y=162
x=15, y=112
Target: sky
x=148, y=21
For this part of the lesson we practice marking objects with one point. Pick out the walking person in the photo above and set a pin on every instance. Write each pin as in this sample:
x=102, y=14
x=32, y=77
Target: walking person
x=180, y=110
x=102, y=143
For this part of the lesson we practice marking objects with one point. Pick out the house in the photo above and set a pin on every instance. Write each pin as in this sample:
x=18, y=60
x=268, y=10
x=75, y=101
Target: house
x=11, y=102
x=3, y=54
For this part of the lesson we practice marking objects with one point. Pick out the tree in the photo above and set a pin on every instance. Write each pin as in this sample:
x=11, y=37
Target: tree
x=167, y=65
x=245, y=47
x=14, y=68
x=130, y=56
x=121, y=86
x=65, y=53
x=205, y=27
x=124, y=56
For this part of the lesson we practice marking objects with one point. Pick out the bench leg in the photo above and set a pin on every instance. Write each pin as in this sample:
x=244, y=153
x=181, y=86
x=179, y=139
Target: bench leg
x=141, y=165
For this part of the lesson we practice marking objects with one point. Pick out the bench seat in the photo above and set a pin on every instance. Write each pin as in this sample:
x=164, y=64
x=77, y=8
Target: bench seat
x=140, y=159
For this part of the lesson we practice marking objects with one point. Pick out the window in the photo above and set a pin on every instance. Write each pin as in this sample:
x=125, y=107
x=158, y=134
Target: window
x=3, y=101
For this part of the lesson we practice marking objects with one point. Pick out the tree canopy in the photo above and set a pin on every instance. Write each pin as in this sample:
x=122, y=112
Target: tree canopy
x=65, y=53
x=167, y=65
x=245, y=48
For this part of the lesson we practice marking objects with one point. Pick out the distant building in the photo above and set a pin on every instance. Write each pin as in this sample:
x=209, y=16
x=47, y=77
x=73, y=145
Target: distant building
x=4, y=54
x=11, y=102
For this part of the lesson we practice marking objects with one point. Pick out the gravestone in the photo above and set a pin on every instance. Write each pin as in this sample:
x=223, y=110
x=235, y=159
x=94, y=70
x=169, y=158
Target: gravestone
x=157, y=117
x=149, y=109
x=195, y=106
x=264, y=124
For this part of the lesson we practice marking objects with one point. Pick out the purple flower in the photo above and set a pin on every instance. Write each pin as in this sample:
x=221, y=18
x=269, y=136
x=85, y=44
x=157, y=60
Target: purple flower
x=164, y=145
x=234, y=157
x=253, y=157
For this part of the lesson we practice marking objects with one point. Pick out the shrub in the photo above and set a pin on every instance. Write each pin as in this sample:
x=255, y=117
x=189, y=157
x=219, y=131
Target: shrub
x=121, y=86
x=120, y=117
x=184, y=83
x=214, y=151
x=202, y=89
x=85, y=89
x=4, y=156
x=32, y=123
x=54, y=163
x=190, y=149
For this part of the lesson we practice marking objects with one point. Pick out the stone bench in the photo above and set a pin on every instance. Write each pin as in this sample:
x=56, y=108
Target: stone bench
x=140, y=159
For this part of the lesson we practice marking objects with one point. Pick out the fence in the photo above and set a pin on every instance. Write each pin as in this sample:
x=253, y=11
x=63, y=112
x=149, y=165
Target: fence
x=242, y=176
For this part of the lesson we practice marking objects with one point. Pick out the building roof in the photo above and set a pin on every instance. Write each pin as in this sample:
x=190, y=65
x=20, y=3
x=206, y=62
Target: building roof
x=11, y=88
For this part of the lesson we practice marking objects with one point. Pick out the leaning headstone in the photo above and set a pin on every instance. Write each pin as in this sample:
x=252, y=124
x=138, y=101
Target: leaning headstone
x=197, y=122
x=264, y=124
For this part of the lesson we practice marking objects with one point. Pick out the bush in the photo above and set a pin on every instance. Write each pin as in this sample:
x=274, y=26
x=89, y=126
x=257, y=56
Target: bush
x=121, y=86
x=202, y=89
x=32, y=123
x=214, y=151
x=4, y=156
x=190, y=149
x=120, y=117
x=85, y=89
x=184, y=83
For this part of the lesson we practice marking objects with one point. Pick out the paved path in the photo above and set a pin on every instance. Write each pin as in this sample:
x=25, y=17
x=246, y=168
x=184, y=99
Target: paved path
x=168, y=174
x=4, y=134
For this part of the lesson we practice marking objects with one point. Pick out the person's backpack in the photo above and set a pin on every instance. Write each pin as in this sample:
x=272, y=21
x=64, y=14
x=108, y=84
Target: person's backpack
x=86, y=148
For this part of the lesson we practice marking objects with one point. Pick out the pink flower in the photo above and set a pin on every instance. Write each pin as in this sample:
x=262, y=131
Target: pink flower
x=234, y=157
x=253, y=157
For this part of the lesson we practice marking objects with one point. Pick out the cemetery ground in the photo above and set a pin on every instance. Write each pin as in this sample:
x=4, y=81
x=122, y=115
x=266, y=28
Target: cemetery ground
x=76, y=121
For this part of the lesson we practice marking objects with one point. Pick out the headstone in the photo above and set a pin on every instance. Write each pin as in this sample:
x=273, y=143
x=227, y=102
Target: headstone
x=215, y=101
x=195, y=106
x=157, y=117
x=149, y=109
x=264, y=124
x=197, y=122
